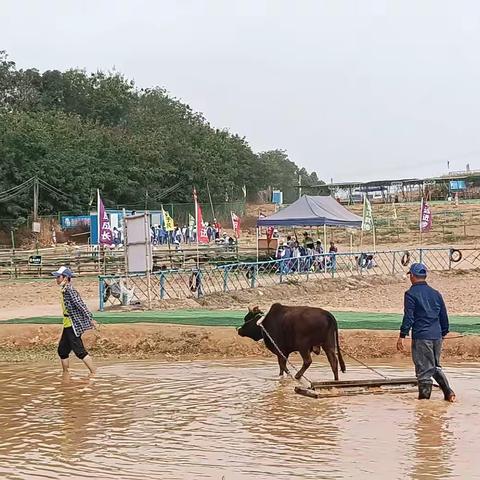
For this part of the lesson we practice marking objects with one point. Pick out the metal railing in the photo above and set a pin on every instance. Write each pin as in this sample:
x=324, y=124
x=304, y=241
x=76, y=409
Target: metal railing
x=147, y=290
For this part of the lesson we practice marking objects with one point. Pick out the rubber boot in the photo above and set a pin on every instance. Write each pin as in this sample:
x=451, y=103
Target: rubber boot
x=424, y=390
x=442, y=381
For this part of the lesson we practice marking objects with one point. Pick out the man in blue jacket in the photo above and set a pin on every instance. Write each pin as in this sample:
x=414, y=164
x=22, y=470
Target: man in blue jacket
x=426, y=316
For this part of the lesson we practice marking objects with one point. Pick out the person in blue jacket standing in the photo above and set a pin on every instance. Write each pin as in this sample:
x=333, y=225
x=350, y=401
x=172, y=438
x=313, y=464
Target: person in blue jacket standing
x=425, y=314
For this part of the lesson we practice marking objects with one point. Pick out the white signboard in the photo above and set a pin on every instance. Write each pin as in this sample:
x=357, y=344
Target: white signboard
x=138, y=245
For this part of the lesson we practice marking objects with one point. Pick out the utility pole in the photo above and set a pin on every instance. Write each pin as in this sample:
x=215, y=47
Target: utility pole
x=35, y=199
x=35, y=224
x=211, y=203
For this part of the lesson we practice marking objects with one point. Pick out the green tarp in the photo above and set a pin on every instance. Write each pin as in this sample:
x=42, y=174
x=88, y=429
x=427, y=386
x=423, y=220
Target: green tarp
x=346, y=320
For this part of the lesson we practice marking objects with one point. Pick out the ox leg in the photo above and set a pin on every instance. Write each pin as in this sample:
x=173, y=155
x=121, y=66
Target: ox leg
x=282, y=362
x=307, y=361
x=332, y=359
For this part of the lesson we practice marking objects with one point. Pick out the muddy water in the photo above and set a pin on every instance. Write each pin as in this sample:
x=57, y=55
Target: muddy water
x=232, y=420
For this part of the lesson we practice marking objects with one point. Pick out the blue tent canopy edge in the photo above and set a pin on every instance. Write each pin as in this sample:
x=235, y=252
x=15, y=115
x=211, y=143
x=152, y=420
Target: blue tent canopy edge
x=313, y=211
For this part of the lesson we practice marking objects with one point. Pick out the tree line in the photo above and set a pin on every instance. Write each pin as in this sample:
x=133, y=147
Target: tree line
x=80, y=131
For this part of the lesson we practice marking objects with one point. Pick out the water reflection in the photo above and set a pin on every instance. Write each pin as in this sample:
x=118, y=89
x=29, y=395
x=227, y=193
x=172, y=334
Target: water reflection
x=434, y=443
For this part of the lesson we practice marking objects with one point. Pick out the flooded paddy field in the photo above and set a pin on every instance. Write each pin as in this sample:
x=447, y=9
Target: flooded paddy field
x=230, y=419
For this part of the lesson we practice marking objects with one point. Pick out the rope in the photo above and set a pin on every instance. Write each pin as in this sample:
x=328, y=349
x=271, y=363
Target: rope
x=264, y=331
x=364, y=364
x=376, y=371
x=259, y=323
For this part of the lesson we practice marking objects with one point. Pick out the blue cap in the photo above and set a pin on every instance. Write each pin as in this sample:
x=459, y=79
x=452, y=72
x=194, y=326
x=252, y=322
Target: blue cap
x=65, y=271
x=418, y=270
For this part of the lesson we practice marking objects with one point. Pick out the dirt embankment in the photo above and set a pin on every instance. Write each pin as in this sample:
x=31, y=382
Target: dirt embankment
x=142, y=341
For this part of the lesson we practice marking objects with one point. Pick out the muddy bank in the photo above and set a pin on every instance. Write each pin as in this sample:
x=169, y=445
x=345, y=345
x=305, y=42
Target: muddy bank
x=145, y=341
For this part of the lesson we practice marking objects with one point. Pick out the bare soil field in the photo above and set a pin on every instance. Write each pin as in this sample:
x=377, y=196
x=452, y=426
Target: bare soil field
x=377, y=293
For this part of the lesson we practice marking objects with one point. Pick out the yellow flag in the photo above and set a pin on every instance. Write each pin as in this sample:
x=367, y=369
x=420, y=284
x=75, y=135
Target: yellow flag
x=394, y=214
x=168, y=222
x=367, y=221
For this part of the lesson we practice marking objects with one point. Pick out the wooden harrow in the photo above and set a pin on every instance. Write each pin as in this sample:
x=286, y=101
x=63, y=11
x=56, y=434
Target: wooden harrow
x=358, y=387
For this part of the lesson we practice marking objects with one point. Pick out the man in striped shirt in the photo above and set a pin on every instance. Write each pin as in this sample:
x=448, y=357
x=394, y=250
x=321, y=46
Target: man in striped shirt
x=76, y=320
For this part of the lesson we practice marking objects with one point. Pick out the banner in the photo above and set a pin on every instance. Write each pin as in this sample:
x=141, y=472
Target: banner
x=270, y=233
x=367, y=221
x=244, y=190
x=104, y=229
x=394, y=213
x=168, y=222
x=202, y=236
x=425, y=217
x=235, y=224
x=191, y=221
x=74, y=221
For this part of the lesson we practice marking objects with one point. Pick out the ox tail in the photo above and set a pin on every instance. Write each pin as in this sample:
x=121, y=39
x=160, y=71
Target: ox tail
x=343, y=368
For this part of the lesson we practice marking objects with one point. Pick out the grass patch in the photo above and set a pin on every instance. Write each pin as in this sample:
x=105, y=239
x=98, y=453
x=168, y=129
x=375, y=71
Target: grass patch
x=227, y=318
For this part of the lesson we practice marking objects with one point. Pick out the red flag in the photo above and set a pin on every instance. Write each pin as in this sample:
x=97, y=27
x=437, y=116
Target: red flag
x=202, y=236
x=236, y=224
x=270, y=233
x=425, y=217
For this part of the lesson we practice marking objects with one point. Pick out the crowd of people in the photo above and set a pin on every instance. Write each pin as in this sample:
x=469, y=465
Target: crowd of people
x=187, y=235
x=180, y=235
x=305, y=256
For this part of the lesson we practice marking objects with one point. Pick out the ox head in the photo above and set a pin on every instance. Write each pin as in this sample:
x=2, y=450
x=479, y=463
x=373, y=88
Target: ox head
x=250, y=328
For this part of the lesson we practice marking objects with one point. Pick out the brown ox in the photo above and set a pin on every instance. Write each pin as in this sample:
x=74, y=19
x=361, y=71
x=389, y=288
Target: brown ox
x=296, y=329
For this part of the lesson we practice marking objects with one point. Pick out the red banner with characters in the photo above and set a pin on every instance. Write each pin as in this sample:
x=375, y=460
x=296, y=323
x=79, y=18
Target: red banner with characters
x=202, y=236
x=236, y=224
x=270, y=233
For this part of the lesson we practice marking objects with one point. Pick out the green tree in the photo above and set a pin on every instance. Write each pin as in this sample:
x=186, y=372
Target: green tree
x=80, y=131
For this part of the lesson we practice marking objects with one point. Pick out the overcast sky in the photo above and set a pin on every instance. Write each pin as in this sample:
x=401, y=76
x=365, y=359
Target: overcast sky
x=355, y=90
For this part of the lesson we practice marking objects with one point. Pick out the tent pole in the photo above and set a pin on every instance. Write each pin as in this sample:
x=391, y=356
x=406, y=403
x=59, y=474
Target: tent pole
x=256, y=230
x=324, y=237
x=351, y=252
